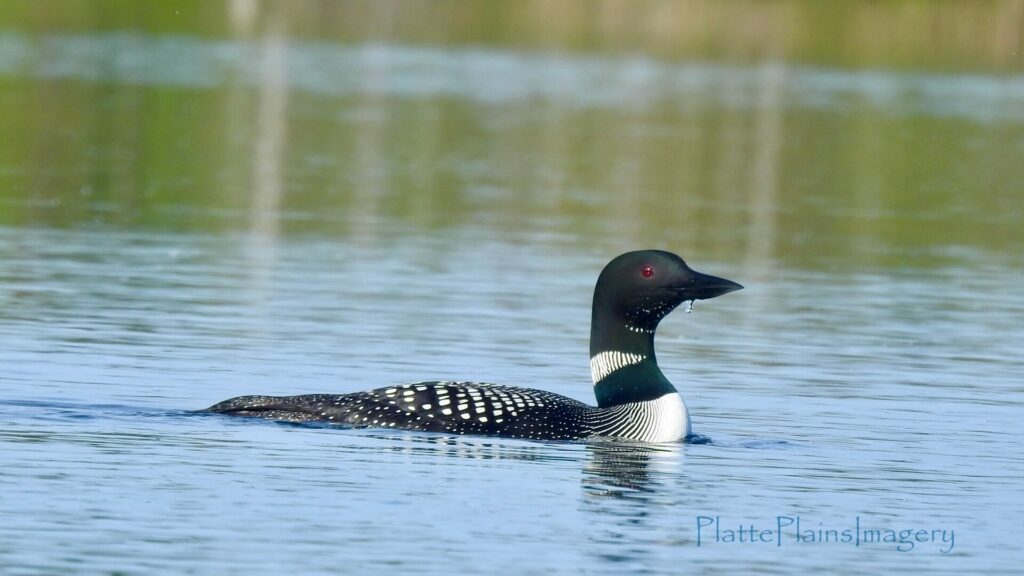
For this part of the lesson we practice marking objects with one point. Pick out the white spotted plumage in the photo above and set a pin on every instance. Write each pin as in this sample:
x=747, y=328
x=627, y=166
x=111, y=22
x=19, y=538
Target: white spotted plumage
x=500, y=410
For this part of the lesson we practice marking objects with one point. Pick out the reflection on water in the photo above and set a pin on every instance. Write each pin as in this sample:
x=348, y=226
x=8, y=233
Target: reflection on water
x=958, y=36
x=349, y=138
x=489, y=77
x=463, y=447
x=623, y=470
x=626, y=489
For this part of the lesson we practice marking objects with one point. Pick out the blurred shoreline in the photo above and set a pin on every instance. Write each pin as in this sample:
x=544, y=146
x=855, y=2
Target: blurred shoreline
x=955, y=36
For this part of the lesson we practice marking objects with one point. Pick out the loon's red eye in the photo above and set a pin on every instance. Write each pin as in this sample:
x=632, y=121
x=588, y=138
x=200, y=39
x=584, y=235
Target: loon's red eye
x=647, y=271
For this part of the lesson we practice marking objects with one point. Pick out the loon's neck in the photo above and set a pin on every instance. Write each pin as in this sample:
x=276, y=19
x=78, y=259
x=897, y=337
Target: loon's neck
x=622, y=362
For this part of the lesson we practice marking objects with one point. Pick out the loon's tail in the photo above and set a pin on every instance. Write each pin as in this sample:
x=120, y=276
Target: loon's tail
x=288, y=408
x=247, y=403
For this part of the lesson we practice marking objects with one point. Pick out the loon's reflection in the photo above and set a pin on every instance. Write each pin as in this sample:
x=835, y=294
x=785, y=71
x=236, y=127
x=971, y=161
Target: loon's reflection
x=624, y=470
x=630, y=490
x=476, y=447
x=620, y=498
x=610, y=468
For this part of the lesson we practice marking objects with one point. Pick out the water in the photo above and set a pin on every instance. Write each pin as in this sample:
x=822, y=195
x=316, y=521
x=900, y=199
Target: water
x=183, y=220
x=825, y=396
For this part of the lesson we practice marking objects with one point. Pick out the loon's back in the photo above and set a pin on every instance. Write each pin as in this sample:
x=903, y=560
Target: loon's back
x=475, y=408
x=453, y=407
x=635, y=400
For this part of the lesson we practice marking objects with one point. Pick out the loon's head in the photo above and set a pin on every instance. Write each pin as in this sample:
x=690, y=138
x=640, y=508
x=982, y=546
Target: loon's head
x=638, y=289
x=634, y=292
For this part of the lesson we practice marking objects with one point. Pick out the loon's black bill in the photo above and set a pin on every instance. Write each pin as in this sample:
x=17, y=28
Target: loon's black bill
x=706, y=286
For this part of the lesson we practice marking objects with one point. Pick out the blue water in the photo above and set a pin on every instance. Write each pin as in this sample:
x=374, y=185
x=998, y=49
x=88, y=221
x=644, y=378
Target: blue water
x=886, y=398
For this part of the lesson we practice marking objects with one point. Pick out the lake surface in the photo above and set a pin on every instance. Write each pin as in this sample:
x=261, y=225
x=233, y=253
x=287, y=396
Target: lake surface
x=184, y=219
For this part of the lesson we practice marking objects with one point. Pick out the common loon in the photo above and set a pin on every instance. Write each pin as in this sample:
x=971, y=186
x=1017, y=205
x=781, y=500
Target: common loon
x=634, y=399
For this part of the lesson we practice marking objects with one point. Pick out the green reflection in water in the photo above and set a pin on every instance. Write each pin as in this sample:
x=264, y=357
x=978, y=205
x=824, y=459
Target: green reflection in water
x=521, y=125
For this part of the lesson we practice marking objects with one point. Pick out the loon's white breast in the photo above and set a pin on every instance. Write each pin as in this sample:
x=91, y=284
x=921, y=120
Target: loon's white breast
x=664, y=419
